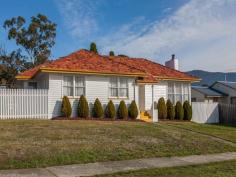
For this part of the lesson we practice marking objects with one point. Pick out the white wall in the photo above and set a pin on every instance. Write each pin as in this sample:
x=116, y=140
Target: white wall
x=205, y=112
x=95, y=87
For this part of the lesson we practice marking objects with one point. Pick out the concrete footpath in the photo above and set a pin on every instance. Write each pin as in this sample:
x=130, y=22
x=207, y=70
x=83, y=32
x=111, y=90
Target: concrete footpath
x=117, y=166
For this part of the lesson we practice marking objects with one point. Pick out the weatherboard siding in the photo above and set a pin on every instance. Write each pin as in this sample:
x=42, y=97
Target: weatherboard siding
x=95, y=87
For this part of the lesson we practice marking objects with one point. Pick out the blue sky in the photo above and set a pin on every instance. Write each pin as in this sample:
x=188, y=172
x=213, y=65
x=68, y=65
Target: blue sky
x=201, y=33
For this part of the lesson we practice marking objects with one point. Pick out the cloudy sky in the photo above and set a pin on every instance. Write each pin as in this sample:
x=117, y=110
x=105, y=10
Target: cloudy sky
x=201, y=33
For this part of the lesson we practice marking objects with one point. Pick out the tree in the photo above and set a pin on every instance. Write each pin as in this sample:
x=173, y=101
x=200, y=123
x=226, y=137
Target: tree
x=122, y=110
x=179, y=111
x=170, y=110
x=111, y=53
x=97, y=109
x=11, y=65
x=36, y=39
x=93, y=47
x=110, y=111
x=161, y=106
x=187, y=110
x=83, y=108
x=133, y=110
x=66, y=107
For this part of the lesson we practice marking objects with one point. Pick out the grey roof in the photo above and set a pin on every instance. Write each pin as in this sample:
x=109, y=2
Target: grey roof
x=208, y=92
x=228, y=84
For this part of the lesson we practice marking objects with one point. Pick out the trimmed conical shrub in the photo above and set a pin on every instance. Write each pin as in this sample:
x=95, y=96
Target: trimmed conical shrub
x=122, y=110
x=187, y=110
x=83, y=108
x=97, y=109
x=162, y=111
x=66, y=107
x=133, y=110
x=110, y=111
x=179, y=111
x=170, y=110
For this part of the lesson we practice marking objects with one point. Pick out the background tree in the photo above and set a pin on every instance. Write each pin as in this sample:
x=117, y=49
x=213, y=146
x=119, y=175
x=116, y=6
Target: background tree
x=83, y=108
x=11, y=64
x=66, y=107
x=93, y=47
x=36, y=39
x=122, y=111
x=111, y=53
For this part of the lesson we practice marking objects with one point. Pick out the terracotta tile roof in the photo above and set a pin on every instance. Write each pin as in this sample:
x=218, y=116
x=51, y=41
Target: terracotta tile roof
x=84, y=61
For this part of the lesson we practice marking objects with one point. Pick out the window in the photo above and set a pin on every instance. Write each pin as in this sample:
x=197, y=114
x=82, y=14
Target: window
x=114, y=87
x=123, y=90
x=178, y=91
x=68, y=86
x=171, y=92
x=79, y=86
x=118, y=87
x=186, y=92
x=32, y=85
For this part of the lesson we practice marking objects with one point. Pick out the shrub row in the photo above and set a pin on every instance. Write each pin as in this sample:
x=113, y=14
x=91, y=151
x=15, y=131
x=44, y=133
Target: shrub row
x=169, y=111
x=97, y=110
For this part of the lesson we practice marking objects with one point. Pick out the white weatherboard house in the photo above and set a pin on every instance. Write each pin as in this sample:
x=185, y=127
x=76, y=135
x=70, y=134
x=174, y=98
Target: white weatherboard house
x=113, y=78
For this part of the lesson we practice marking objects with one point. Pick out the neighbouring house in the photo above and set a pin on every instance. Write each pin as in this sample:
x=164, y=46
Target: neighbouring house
x=113, y=78
x=206, y=94
x=227, y=87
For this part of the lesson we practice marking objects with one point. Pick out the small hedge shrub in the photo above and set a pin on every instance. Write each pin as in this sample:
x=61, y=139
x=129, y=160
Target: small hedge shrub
x=187, y=110
x=179, y=111
x=83, y=108
x=97, y=109
x=170, y=110
x=133, y=110
x=66, y=107
x=162, y=111
x=122, y=110
x=110, y=111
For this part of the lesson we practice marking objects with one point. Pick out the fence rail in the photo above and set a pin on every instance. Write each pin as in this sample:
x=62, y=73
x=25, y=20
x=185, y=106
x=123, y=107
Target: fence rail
x=23, y=103
x=227, y=113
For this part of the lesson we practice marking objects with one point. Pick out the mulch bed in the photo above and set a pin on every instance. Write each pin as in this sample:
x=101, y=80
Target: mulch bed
x=96, y=119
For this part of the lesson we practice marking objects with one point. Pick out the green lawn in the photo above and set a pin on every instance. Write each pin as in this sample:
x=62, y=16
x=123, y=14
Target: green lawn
x=221, y=169
x=221, y=131
x=35, y=143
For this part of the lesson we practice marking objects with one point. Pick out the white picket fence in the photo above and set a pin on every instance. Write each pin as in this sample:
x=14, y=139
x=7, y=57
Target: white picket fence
x=23, y=103
x=205, y=112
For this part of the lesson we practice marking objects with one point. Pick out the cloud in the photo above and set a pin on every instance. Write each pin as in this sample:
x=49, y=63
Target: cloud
x=201, y=32
x=79, y=16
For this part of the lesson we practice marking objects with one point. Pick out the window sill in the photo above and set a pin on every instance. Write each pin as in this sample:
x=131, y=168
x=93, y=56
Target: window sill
x=119, y=98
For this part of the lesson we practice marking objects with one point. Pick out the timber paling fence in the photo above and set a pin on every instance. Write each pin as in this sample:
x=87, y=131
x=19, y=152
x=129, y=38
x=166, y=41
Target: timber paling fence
x=227, y=113
x=23, y=103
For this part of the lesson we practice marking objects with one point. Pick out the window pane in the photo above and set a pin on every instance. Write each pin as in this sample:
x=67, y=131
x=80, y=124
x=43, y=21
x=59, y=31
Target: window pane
x=171, y=98
x=185, y=88
x=170, y=87
x=79, y=91
x=79, y=81
x=123, y=83
x=185, y=97
x=178, y=97
x=178, y=88
x=113, y=82
x=123, y=92
x=68, y=86
x=68, y=91
x=114, y=92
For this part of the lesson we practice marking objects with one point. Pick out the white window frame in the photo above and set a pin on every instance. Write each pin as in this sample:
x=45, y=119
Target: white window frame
x=118, y=88
x=74, y=86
